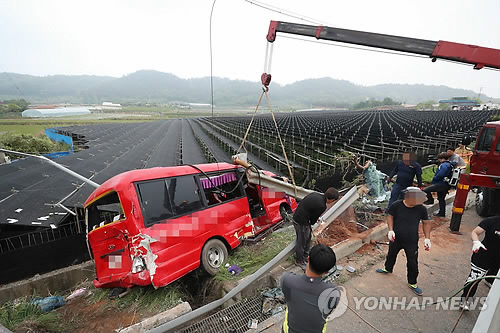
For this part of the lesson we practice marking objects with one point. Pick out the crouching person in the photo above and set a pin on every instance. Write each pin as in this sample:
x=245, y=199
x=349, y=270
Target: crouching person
x=305, y=311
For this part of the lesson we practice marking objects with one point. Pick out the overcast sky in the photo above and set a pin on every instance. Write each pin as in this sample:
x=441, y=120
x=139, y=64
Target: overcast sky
x=117, y=38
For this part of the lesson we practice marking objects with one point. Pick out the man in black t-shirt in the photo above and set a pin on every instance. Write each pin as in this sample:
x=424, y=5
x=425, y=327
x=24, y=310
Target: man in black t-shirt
x=485, y=257
x=307, y=214
x=309, y=300
x=403, y=220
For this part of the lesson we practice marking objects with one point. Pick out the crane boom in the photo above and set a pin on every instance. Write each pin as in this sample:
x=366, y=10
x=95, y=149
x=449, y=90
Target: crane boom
x=478, y=56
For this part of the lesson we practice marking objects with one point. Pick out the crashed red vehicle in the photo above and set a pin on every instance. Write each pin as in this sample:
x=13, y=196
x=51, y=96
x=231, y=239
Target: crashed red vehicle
x=153, y=226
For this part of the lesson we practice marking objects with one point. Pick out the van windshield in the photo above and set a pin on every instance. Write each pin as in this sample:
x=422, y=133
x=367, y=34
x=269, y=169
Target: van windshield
x=103, y=211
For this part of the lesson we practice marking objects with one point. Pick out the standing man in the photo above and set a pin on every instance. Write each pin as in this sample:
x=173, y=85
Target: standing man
x=454, y=157
x=485, y=257
x=403, y=220
x=464, y=152
x=439, y=184
x=307, y=214
x=405, y=171
x=309, y=300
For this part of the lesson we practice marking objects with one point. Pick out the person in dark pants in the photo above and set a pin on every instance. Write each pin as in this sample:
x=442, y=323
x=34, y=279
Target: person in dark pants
x=307, y=214
x=309, y=300
x=406, y=170
x=403, y=220
x=485, y=258
x=439, y=184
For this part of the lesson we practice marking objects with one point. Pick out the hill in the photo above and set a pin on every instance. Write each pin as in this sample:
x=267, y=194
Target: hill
x=158, y=87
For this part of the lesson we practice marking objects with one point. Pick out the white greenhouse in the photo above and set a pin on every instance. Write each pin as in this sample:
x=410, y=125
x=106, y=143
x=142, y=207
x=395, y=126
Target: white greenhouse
x=57, y=112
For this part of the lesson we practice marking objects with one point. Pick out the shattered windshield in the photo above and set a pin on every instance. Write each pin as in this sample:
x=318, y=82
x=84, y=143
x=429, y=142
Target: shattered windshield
x=103, y=211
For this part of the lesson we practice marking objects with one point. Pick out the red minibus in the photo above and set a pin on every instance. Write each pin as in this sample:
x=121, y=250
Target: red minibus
x=153, y=226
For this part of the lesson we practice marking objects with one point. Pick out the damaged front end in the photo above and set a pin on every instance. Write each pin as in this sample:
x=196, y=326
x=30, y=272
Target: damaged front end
x=120, y=259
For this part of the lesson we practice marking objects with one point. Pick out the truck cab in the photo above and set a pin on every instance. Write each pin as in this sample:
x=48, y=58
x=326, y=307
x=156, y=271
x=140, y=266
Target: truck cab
x=484, y=176
x=485, y=160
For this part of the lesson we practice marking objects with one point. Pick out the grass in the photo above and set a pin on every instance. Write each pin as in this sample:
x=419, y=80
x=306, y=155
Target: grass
x=251, y=258
x=24, y=316
x=428, y=173
x=21, y=315
x=146, y=300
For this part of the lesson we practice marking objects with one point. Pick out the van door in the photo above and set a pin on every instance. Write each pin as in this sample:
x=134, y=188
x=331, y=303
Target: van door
x=107, y=237
x=171, y=211
x=111, y=254
x=272, y=200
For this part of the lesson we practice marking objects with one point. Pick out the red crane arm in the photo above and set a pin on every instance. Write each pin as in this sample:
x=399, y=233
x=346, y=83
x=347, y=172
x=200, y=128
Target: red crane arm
x=471, y=54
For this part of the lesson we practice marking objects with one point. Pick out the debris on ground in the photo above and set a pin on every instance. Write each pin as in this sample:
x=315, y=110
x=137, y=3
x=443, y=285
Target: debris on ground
x=50, y=303
x=350, y=269
x=273, y=301
x=234, y=270
x=77, y=293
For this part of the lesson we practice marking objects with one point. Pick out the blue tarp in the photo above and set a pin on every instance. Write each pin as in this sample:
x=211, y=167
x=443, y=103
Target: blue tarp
x=58, y=154
x=52, y=134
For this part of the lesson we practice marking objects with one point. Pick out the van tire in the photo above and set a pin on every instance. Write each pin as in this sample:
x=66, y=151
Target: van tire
x=286, y=213
x=482, y=200
x=213, y=256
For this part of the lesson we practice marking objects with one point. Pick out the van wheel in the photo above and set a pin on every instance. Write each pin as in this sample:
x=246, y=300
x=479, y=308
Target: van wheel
x=482, y=198
x=213, y=256
x=286, y=214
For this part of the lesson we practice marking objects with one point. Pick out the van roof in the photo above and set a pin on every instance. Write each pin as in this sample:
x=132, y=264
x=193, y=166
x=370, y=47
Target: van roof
x=122, y=180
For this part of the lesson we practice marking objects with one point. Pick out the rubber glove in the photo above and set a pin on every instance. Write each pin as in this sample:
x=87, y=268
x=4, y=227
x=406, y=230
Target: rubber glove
x=476, y=245
x=391, y=235
x=427, y=244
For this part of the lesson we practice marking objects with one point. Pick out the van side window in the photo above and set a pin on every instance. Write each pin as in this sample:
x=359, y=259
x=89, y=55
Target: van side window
x=184, y=194
x=221, y=186
x=486, y=138
x=155, y=201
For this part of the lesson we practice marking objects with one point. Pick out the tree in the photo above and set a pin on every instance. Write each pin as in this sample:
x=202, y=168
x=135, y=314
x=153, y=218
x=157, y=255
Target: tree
x=13, y=108
x=426, y=105
x=26, y=143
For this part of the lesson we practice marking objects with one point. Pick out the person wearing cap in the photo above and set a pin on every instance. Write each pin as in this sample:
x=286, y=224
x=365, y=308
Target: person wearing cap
x=307, y=213
x=309, y=299
x=485, y=258
x=403, y=221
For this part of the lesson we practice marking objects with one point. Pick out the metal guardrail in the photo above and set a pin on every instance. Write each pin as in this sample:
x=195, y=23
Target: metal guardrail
x=489, y=318
x=34, y=238
x=333, y=213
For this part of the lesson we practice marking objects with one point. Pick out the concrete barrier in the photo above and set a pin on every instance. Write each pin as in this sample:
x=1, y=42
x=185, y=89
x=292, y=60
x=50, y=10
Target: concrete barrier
x=44, y=285
x=156, y=320
x=489, y=318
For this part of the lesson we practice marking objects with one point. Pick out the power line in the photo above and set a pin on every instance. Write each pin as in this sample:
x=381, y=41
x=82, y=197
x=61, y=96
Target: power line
x=285, y=12
x=211, y=63
x=15, y=84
